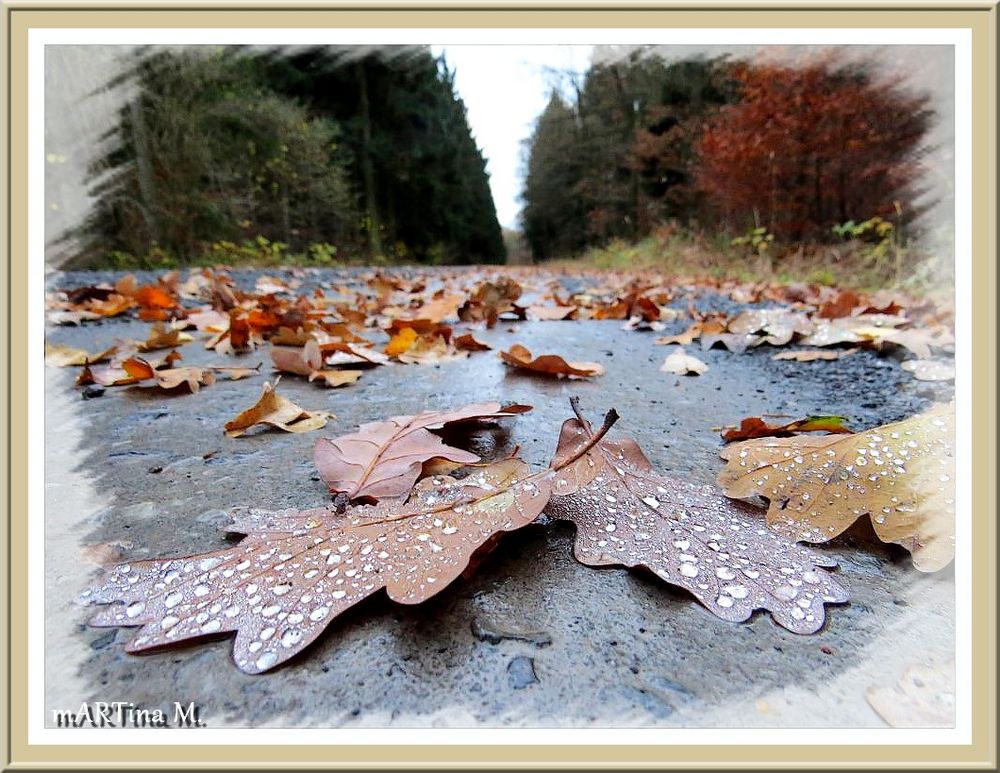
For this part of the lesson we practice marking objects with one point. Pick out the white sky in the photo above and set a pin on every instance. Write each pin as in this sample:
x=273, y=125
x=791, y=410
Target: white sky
x=505, y=88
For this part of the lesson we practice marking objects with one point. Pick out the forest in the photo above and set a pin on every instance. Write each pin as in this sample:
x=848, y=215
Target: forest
x=310, y=156
x=327, y=156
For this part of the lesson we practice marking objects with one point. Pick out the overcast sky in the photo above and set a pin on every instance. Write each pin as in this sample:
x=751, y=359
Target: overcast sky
x=505, y=88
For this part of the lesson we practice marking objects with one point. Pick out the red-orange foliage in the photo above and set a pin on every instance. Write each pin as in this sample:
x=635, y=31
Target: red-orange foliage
x=810, y=146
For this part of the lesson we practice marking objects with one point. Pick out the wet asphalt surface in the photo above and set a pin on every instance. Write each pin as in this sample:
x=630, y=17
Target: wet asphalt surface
x=534, y=638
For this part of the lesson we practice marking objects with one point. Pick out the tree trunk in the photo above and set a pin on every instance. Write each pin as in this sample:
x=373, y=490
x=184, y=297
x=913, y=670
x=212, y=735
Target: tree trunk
x=367, y=170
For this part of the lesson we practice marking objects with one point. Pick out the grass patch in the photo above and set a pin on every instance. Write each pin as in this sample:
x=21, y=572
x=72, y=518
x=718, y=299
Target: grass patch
x=855, y=264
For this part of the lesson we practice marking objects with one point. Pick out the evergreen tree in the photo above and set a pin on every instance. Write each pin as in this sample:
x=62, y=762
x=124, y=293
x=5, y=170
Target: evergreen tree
x=554, y=219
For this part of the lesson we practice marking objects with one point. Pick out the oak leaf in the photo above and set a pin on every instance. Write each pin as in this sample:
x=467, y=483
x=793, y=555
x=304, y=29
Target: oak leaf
x=691, y=536
x=296, y=571
x=384, y=458
x=519, y=356
x=901, y=475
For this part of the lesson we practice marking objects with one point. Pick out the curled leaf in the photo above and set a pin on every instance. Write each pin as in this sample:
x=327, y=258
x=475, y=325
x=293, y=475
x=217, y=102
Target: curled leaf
x=810, y=355
x=549, y=364
x=277, y=411
x=680, y=363
x=63, y=356
x=755, y=427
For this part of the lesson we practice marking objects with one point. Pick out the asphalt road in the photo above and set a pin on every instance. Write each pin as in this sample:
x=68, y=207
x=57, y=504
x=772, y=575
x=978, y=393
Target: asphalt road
x=534, y=638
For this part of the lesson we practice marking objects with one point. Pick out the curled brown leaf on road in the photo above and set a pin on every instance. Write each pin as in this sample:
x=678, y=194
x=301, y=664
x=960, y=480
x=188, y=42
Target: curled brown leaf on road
x=755, y=427
x=519, y=356
x=276, y=411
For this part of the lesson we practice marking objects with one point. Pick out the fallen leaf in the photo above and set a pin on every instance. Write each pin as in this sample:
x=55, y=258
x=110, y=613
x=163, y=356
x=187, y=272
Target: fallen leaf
x=930, y=370
x=139, y=370
x=550, y=313
x=691, y=536
x=755, y=427
x=470, y=343
x=698, y=329
x=923, y=697
x=680, y=363
x=384, y=458
x=62, y=356
x=549, y=364
x=302, y=362
x=277, y=411
x=336, y=378
x=401, y=342
x=162, y=338
x=901, y=475
x=809, y=355
x=296, y=571
x=777, y=325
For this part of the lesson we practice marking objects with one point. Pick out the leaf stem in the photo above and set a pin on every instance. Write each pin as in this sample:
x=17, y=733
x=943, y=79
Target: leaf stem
x=595, y=437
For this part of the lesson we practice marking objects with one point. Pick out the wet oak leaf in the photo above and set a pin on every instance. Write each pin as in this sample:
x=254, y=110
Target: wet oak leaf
x=901, y=475
x=276, y=411
x=384, y=458
x=627, y=514
x=519, y=356
x=296, y=571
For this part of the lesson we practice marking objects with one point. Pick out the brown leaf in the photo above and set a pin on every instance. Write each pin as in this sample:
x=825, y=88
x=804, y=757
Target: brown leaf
x=691, y=536
x=162, y=338
x=384, y=458
x=470, y=343
x=336, y=378
x=549, y=364
x=701, y=327
x=302, y=362
x=901, y=475
x=550, y=313
x=276, y=411
x=296, y=571
x=809, y=355
x=755, y=427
